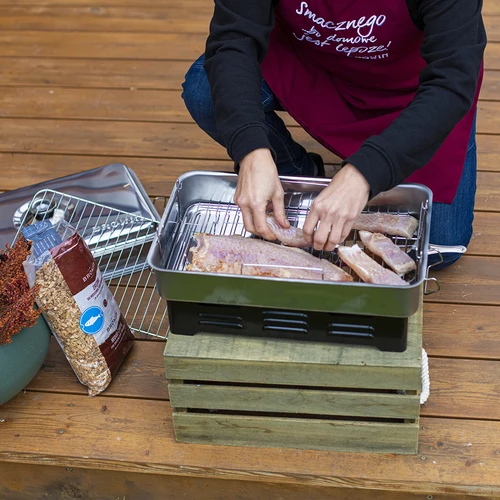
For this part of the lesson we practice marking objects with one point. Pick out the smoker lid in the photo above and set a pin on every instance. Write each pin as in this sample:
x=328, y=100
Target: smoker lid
x=114, y=185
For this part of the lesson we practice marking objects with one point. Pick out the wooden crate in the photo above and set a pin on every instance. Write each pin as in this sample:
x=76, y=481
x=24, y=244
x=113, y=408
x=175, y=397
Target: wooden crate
x=232, y=390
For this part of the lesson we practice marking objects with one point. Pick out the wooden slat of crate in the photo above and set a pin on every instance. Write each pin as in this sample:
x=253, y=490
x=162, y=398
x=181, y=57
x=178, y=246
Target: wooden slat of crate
x=227, y=358
x=284, y=432
x=293, y=400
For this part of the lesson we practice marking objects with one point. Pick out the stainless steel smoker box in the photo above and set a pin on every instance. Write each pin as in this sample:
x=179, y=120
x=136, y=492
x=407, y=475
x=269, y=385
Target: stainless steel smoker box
x=203, y=202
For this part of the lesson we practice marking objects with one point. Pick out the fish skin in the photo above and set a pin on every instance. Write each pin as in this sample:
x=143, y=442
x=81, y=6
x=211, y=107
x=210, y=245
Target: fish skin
x=386, y=223
x=391, y=254
x=292, y=237
x=226, y=254
x=393, y=224
x=367, y=269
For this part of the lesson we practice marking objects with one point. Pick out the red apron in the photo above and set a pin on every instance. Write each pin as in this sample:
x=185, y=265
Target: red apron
x=345, y=70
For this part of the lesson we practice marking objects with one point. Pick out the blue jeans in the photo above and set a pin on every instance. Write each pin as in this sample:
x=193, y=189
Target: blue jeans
x=450, y=225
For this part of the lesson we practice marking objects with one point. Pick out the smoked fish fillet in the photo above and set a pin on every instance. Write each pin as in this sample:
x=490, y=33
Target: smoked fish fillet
x=248, y=256
x=391, y=254
x=367, y=269
x=392, y=224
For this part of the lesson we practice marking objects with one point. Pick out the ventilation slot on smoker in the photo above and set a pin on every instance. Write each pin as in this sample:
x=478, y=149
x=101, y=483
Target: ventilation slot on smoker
x=386, y=333
x=285, y=321
x=220, y=320
x=351, y=330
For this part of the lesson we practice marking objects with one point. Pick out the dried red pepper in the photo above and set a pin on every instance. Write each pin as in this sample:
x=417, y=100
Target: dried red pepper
x=17, y=299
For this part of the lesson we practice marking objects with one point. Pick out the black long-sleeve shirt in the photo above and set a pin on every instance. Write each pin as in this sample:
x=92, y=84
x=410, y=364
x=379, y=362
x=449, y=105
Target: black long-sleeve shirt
x=453, y=47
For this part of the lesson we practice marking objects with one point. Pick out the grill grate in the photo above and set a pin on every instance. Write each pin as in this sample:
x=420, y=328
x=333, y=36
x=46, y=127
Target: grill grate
x=120, y=242
x=225, y=218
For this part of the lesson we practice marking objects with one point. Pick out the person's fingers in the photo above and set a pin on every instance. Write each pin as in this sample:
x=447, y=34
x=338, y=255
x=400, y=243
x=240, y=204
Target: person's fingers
x=310, y=225
x=260, y=223
x=346, y=230
x=334, y=238
x=279, y=209
x=322, y=234
x=248, y=219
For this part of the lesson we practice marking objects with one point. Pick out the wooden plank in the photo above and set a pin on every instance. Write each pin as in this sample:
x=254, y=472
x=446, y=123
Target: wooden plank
x=267, y=432
x=162, y=46
x=471, y=280
x=153, y=19
x=293, y=400
x=114, y=73
x=488, y=152
x=226, y=358
x=491, y=8
x=141, y=376
x=32, y=482
x=94, y=104
x=464, y=387
x=139, y=438
x=326, y=375
x=486, y=237
x=492, y=56
x=100, y=104
x=157, y=175
x=108, y=138
x=488, y=191
x=461, y=331
x=490, y=89
x=488, y=121
x=492, y=25
x=112, y=138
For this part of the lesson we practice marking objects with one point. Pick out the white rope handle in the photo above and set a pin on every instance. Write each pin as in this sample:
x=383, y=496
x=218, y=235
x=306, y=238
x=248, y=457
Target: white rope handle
x=426, y=381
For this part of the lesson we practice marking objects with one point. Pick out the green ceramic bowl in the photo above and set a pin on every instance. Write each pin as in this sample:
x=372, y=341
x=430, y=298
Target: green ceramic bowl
x=22, y=358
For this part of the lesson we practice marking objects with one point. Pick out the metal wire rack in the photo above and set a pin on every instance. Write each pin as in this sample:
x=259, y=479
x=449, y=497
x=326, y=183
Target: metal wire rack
x=225, y=218
x=120, y=242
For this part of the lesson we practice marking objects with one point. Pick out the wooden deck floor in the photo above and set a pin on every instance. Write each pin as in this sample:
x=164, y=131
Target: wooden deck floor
x=86, y=83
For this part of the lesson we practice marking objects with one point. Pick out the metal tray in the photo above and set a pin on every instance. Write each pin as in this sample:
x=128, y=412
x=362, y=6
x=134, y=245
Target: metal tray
x=203, y=202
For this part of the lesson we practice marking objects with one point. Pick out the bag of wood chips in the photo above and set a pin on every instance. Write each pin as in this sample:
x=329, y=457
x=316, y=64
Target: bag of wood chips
x=77, y=304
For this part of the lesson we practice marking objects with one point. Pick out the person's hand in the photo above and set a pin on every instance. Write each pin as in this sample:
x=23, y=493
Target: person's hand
x=259, y=184
x=336, y=208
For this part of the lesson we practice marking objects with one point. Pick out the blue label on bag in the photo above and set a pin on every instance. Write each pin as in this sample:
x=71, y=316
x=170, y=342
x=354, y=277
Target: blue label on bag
x=42, y=235
x=92, y=320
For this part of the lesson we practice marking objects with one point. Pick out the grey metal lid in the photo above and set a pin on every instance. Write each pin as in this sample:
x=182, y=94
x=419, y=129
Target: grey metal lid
x=113, y=185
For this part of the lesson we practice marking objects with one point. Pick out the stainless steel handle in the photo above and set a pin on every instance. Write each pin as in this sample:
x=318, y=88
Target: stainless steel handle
x=434, y=249
x=439, y=250
x=426, y=283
